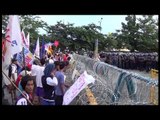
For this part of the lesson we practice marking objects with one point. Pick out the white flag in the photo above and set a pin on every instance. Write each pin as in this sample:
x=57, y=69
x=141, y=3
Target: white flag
x=23, y=39
x=37, y=51
x=15, y=34
x=27, y=41
x=12, y=44
x=77, y=87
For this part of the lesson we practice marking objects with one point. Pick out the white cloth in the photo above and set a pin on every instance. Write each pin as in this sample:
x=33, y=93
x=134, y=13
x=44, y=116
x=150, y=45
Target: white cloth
x=54, y=59
x=23, y=100
x=51, y=61
x=52, y=82
x=64, y=78
x=37, y=71
x=14, y=68
x=14, y=71
x=23, y=73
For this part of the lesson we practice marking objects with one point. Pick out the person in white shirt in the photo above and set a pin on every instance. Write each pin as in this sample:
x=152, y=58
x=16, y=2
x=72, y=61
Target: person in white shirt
x=37, y=70
x=12, y=74
x=51, y=60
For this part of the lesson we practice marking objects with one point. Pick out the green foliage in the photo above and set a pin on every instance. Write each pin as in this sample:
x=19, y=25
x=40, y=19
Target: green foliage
x=148, y=33
x=29, y=23
x=138, y=33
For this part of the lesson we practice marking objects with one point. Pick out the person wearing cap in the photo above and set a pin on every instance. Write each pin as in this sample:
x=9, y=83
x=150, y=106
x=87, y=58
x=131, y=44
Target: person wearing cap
x=49, y=81
x=28, y=84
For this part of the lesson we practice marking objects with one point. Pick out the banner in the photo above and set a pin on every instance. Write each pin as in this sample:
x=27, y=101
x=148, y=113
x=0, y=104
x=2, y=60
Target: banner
x=77, y=87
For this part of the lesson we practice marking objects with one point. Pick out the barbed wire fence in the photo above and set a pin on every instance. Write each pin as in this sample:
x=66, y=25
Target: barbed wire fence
x=113, y=86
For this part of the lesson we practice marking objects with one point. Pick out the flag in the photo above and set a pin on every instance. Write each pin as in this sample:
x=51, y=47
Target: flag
x=28, y=57
x=48, y=45
x=50, y=50
x=37, y=51
x=12, y=43
x=15, y=35
x=34, y=48
x=42, y=49
x=56, y=43
x=27, y=41
x=23, y=39
x=20, y=58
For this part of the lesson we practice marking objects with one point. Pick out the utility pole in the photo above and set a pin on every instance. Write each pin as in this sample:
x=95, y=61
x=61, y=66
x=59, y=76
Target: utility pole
x=96, y=43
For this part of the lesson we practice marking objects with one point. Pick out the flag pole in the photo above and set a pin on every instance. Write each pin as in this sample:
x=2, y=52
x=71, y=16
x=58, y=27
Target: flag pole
x=17, y=88
x=24, y=62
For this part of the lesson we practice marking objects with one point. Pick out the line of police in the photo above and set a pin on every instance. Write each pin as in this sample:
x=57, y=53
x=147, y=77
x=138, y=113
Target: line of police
x=127, y=60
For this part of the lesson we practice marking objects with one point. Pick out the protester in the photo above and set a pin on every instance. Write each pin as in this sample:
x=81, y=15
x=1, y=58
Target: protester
x=60, y=88
x=37, y=70
x=12, y=74
x=49, y=81
x=25, y=71
x=28, y=84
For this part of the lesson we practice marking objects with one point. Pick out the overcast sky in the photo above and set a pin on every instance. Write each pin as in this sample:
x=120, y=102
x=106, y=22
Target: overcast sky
x=109, y=23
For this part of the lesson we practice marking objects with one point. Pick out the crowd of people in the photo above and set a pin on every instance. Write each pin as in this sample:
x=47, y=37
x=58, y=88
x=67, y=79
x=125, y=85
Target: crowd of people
x=43, y=81
x=40, y=83
x=130, y=60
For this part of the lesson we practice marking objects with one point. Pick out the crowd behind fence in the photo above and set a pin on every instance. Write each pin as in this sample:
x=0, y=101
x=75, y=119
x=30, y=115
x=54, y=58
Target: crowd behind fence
x=114, y=85
x=130, y=60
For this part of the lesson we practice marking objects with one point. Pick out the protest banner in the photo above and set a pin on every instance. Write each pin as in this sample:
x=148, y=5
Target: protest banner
x=77, y=87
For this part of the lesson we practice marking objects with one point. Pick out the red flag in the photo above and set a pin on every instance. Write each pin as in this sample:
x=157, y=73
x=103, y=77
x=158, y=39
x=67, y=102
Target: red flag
x=56, y=43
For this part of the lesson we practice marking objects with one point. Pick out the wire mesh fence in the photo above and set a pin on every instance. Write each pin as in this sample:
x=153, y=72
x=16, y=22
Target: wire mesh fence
x=114, y=86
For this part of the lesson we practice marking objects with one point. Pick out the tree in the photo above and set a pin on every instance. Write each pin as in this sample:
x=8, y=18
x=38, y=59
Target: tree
x=148, y=40
x=75, y=37
x=30, y=23
x=60, y=32
x=139, y=34
x=130, y=33
x=4, y=23
x=110, y=42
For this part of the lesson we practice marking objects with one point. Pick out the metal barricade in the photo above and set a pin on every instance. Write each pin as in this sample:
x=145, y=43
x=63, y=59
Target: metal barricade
x=114, y=85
